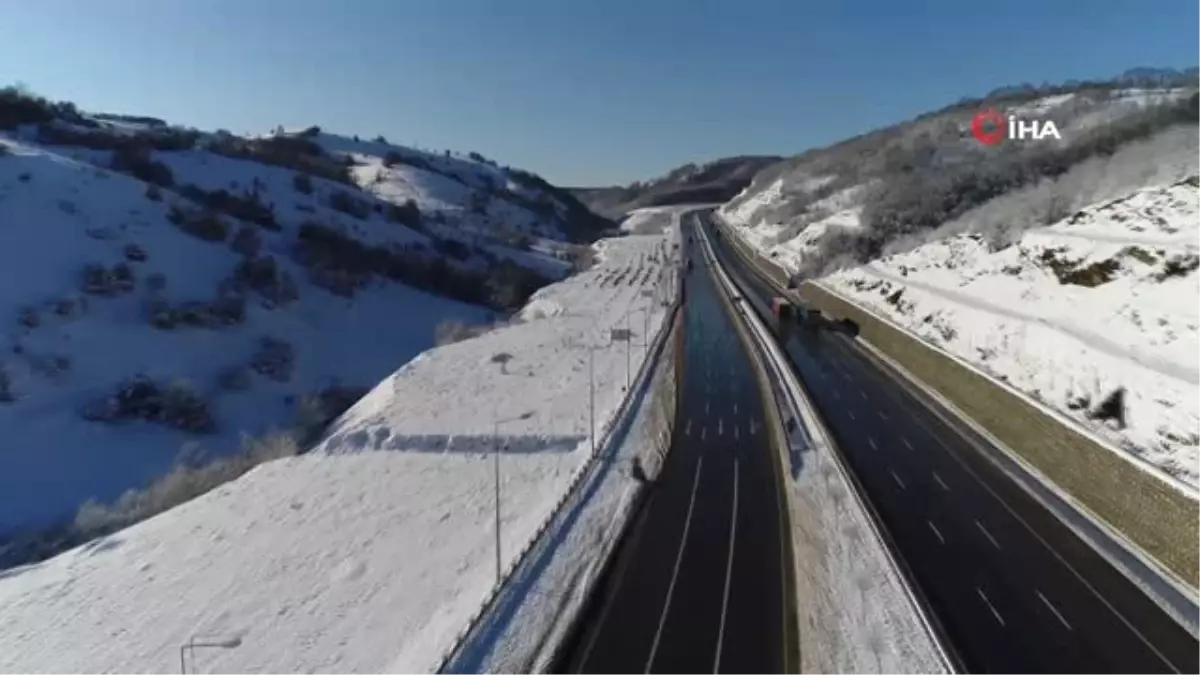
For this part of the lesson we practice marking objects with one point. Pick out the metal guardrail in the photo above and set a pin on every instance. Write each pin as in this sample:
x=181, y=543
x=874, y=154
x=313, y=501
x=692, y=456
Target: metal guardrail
x=602, y=449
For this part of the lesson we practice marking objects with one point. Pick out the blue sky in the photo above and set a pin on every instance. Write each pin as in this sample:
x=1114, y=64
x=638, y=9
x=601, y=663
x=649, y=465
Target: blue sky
x=581, y=91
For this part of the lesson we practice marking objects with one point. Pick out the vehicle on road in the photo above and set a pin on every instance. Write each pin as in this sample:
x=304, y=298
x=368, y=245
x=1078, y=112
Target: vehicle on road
x=785, y=315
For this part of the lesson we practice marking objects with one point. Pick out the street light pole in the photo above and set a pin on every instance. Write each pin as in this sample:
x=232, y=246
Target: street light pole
x=627, y=341
x=496, y=422
x=592, y=396
x=496, y=476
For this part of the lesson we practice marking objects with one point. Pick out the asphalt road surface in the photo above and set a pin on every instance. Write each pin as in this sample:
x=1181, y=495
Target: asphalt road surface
x=700, y=582
x=1013, y=588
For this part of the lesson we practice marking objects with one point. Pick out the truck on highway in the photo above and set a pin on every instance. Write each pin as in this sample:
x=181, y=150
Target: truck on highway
x=784, y=313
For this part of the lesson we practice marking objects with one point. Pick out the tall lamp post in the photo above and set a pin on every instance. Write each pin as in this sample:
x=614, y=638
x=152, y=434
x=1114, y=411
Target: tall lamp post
x=496, y=476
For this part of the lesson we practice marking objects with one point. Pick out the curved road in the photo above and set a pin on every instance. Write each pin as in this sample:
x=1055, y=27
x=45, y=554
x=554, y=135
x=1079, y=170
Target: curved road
x=701, y=582
x=1013, y=588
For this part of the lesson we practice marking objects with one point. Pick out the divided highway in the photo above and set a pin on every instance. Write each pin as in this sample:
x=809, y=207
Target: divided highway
x=1013, y=589
x=701, y=582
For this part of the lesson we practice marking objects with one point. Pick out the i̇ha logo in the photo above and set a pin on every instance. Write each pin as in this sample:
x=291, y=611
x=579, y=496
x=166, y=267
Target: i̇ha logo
x=991, y=128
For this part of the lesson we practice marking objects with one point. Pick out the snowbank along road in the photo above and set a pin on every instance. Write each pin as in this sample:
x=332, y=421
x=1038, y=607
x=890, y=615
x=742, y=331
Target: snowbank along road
x=700, y=583
x=1012, y=587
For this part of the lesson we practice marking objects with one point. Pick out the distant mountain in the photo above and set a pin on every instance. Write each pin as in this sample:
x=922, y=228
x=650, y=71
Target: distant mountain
x=715, y=181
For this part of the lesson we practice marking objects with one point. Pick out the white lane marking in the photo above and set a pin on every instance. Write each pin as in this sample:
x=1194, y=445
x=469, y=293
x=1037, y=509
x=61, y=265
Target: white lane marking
x=850, y=413
x=987, y=534
x=736, y=434
x=735, y=409
x=753, y=428
x=687, y=523
x=706, y=407
x=897, y=477
x=872, y=442
x=882, y=415
x=836, y=394
x=721, y=427
x=863, y=394
x=990, y=605
x=1053, y=609
x=1104, y=601
x=846, y=375
x=703, y=432
x=906, y=443
x=687, y=431
x=935, y=531
x=940, y=481
x=728, y=569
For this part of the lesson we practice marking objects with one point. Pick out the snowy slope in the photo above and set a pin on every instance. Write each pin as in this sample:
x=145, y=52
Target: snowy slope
x=193, y=305
x=369, y=553
x=894, y=183
x=1102, y=299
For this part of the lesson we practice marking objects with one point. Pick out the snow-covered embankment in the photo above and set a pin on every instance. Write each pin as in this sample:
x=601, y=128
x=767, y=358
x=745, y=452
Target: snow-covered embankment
x=369, y=553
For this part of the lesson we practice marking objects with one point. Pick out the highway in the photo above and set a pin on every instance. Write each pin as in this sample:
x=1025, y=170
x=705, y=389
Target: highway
x=701, y=582
x=1012, y=588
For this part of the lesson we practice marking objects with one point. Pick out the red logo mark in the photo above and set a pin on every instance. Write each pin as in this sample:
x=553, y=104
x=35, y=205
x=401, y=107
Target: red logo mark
x=980, y=123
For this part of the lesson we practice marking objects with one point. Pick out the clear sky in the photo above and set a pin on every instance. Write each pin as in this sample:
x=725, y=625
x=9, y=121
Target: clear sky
x=584, y=92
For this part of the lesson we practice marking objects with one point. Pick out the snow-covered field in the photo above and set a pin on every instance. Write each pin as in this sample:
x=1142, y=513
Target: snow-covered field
x=64, y=346
x=1105, y=298
x=369, y=553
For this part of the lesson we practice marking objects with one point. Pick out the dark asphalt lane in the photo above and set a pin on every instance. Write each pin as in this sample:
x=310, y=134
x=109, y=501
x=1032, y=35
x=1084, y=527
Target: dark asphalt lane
x=699, y=583
x=1013, y=588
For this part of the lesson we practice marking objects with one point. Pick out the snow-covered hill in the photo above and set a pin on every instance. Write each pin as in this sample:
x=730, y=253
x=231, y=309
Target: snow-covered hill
x=371, y=552
x=1105, y=298
x=897, y=186
x=165, y=291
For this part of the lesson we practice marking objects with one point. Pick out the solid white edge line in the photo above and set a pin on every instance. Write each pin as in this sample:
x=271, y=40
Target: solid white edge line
x=728, y=569
x=687, y=524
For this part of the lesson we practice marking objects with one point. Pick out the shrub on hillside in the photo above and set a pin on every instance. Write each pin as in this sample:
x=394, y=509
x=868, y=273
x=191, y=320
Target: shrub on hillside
x=290, y=152
x=274, y=359
x=99, y=280
x=449, y=332
x=303, y=183
x=205, y=225
x=263, y=275
x=175, y=405
x=137, y=161
x=509, y=285
x=135, y=253
x=247, y=242
x=407, y=213
x=6, y=392
x=18, y=106
x=246, y=206
x=343, y=201
x=186, y=482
